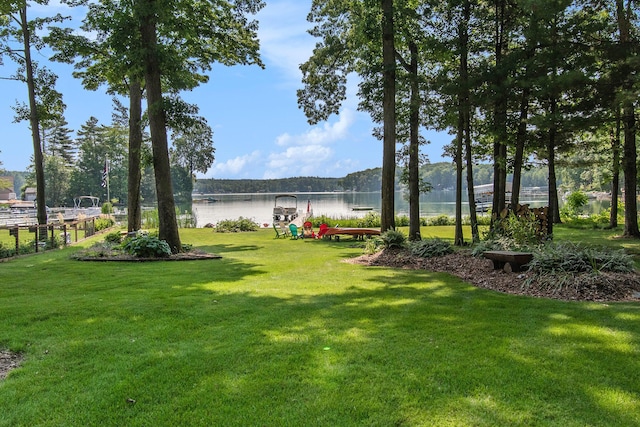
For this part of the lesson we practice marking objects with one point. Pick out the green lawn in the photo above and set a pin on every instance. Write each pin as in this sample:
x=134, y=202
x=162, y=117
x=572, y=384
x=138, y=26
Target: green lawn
x=281, y=332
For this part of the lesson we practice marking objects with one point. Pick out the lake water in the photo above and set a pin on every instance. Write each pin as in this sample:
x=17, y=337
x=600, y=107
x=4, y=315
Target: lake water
x=259, y=207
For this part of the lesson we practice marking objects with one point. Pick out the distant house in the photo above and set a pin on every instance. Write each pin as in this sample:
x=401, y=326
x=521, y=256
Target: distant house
x=30, y=194
x=6, y=188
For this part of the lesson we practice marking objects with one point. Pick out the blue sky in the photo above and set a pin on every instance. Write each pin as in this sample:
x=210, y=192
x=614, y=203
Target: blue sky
x=259, y=131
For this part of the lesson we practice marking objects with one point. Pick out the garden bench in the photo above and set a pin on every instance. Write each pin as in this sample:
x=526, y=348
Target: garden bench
x=508, y=260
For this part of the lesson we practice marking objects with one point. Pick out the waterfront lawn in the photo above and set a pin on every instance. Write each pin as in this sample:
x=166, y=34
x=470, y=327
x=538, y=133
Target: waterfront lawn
x=282, y=332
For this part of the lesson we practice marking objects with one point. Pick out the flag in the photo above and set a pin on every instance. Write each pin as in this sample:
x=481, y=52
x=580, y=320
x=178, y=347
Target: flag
x=105, y=174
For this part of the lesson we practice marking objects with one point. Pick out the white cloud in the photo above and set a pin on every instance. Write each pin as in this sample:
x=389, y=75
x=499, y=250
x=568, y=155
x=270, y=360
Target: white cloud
x=234, y=166
x=284, y=41
x=309, y=153
x=320, y=134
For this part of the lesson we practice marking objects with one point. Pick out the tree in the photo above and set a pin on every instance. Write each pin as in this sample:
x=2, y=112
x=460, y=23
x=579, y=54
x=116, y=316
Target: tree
x=18, y=28
x=628, y=46
x=165, y=47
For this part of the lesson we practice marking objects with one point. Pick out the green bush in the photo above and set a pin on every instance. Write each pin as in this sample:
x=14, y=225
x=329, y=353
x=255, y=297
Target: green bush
x=574, y=205
x=6, y=252
x=107, y=208
x=115, y=237
x=238, y=225
x=572, y=258
x=402, y=221
x=372, y=245
x=370, y=220
x=103, y=223
x=514, y=233
x=441, y=220
x=393, y=239
x=430, y=248
x=146, y=246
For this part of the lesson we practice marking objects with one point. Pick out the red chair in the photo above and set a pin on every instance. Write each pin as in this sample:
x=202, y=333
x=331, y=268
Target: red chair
x=323, y=229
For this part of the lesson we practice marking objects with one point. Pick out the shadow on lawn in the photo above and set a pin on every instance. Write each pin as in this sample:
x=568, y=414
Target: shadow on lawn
x=406, y=353
x=419, y=348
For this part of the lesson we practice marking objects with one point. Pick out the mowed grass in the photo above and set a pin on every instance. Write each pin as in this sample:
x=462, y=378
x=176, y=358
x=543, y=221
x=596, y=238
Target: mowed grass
x=282, y=332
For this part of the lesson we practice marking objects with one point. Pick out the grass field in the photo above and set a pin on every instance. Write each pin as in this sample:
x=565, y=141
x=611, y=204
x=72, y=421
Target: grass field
x=281, y=332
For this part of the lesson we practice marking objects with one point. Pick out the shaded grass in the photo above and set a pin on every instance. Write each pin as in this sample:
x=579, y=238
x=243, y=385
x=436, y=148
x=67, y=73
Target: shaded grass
x=281, y=332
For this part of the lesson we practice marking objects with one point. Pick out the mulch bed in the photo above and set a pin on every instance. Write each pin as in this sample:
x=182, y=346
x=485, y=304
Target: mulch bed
x=182, y=256
x=601, y=287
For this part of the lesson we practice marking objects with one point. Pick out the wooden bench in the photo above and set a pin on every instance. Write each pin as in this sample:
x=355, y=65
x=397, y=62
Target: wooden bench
x=358, y=233
x=509, y=260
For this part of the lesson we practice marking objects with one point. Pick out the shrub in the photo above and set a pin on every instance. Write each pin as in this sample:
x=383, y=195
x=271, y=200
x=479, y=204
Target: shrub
x=146, y=246
x=372, y=245
x=402, y=221
x=574, y=204
x=98, y=250
x=234, y=226
x=513, y=233
x=114, y=237
x=572, y=258
x=430, y=248
x=107, y=208
x=370, y=220
x=393, y=239
x=6, y=252
x=103, y=223
x=440, y=220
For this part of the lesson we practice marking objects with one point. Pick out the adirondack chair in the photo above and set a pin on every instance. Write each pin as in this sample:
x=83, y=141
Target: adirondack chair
x=280, y=231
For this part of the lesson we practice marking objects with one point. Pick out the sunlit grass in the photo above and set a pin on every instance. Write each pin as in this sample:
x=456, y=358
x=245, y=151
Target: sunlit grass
x=283, y=332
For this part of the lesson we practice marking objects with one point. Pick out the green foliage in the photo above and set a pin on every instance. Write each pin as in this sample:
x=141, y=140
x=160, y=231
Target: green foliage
x=146, y=246
x=103, y=223
x=150, y=219
x=235, y=226
x=393, y=239
x=512, y=233
x=574, y=258
x=107, y=208
x=6, y=252
x=114, y=237
x=370, y=220
x=402, y=221
x=103, y=249
x=372, y=245
x=428, y=248
x=574, y=205
x=440, y=220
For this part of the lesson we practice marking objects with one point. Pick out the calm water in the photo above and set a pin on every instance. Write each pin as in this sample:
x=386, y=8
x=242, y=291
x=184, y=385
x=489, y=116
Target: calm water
x=259, y=207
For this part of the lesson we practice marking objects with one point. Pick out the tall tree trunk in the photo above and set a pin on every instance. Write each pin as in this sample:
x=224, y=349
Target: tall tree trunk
x=134, y=211
x=34, y=121
x=466, y=114
x=554, y=212
x=615, y=167
x=387, y=216
x=500, y=113
x=458, y=238
x=414, y=145
x=521, y=137
x=629, y=157
x=168, y=224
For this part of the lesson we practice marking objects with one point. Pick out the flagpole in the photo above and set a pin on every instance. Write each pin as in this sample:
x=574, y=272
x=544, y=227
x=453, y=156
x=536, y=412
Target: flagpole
x=105, y=178
x=107, y=169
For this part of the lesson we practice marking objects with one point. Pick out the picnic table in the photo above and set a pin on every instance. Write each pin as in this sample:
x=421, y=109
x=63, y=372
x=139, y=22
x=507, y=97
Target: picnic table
x=358, y=233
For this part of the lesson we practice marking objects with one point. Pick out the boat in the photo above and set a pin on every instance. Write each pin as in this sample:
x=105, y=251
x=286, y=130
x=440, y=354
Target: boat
x=285, y=208
x=362, y=208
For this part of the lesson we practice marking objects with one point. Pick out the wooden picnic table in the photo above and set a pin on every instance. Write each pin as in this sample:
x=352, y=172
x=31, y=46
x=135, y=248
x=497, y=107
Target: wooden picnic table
x=358, y=233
